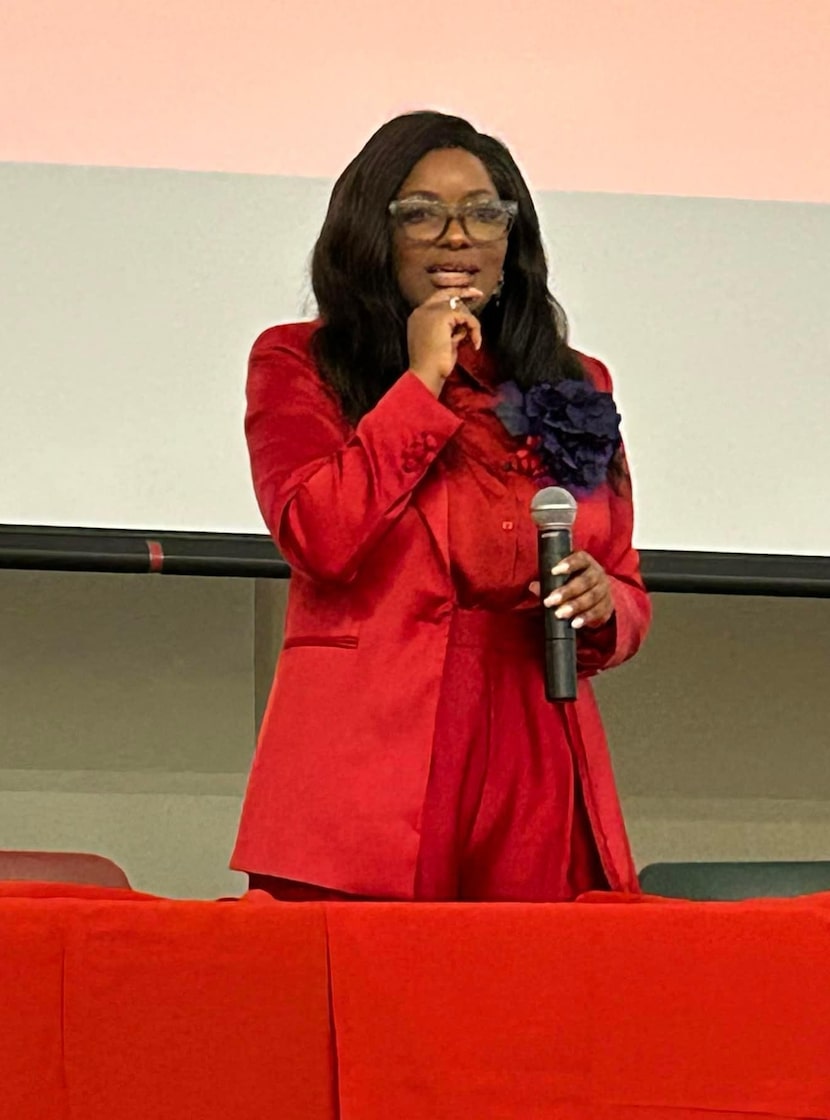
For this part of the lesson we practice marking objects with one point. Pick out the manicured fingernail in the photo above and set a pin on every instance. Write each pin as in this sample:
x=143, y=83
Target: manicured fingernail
x=554, y=598
x=577, y=622
x=560, y=569
x=563, y=612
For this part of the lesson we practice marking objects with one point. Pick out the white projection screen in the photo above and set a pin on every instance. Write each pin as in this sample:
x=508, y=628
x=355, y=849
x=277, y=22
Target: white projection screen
x=145, y=244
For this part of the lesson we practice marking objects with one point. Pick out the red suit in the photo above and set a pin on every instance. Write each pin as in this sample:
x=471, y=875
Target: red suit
x=411, y=547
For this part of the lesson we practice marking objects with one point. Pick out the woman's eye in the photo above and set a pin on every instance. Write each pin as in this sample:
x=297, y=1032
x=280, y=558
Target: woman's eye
x=486, y=214
x=414, y=214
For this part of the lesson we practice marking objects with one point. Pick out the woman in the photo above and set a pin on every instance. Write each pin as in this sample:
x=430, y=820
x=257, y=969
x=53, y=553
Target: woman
x=407, y=751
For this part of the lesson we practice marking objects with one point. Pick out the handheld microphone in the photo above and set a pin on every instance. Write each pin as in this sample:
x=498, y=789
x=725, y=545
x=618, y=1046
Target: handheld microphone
x=553, y=511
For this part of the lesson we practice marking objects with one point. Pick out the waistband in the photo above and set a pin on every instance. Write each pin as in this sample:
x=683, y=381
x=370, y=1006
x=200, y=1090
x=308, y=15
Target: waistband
x=497, y=629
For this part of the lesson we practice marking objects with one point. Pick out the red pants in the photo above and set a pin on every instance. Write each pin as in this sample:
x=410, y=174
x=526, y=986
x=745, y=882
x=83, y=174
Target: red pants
x=503, y=818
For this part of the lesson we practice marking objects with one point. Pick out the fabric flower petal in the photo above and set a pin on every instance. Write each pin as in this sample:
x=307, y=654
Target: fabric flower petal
x=577, y=426
x=510, y=409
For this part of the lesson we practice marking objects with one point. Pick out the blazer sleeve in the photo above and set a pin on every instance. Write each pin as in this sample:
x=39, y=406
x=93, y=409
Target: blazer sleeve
x=328, y=492
x=623, y=635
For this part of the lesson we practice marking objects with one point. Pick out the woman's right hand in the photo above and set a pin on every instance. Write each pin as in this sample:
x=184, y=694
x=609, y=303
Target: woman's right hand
x=435, y=331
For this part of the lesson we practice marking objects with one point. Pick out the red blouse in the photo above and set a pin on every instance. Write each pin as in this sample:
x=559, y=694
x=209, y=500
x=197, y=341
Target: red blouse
x=493, y=547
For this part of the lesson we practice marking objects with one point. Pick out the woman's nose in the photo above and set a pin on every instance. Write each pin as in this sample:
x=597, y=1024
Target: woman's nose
x=455, y=234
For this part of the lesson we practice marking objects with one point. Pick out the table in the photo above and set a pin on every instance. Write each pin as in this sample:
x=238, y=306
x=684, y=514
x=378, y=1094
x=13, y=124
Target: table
x=120, y=1005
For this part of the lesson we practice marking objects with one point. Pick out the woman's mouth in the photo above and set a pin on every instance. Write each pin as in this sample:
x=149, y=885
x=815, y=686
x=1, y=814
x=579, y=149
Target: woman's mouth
x=449, y=274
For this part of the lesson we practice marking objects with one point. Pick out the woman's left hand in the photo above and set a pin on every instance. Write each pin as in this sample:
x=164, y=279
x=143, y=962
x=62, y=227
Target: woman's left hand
x=586, y=597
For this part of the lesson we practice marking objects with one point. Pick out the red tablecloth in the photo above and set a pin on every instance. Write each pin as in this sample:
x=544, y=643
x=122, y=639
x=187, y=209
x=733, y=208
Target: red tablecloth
x=126, y=1006
x=155, y=1010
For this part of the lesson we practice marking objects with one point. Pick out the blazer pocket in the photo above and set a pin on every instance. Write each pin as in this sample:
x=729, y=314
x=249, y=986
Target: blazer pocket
x=332, y=641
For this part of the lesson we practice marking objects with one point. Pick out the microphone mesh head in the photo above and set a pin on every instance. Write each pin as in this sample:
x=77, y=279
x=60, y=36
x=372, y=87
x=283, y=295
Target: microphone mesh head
x=553, y=508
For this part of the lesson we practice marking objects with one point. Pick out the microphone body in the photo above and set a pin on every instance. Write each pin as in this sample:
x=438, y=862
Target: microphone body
x=560, y=636
x=553, y=510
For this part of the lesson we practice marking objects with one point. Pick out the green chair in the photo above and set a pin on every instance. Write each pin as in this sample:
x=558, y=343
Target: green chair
x=724, y=882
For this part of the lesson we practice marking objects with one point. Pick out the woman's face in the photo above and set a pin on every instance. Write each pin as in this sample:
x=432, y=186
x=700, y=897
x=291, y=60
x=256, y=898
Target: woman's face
x=451, y=176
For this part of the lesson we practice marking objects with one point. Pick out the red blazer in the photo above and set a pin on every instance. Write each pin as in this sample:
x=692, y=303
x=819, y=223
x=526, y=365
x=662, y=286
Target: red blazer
x=341, y=766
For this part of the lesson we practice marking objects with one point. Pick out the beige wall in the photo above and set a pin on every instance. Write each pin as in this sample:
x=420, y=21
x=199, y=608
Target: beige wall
x=128, y=707
x=720, y=730
x=127, y=721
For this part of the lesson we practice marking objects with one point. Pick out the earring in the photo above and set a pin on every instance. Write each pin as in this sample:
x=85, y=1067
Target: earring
x=496, y=297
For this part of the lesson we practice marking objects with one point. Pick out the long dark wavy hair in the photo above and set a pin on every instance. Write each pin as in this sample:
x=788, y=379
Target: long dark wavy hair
x=361, y=346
